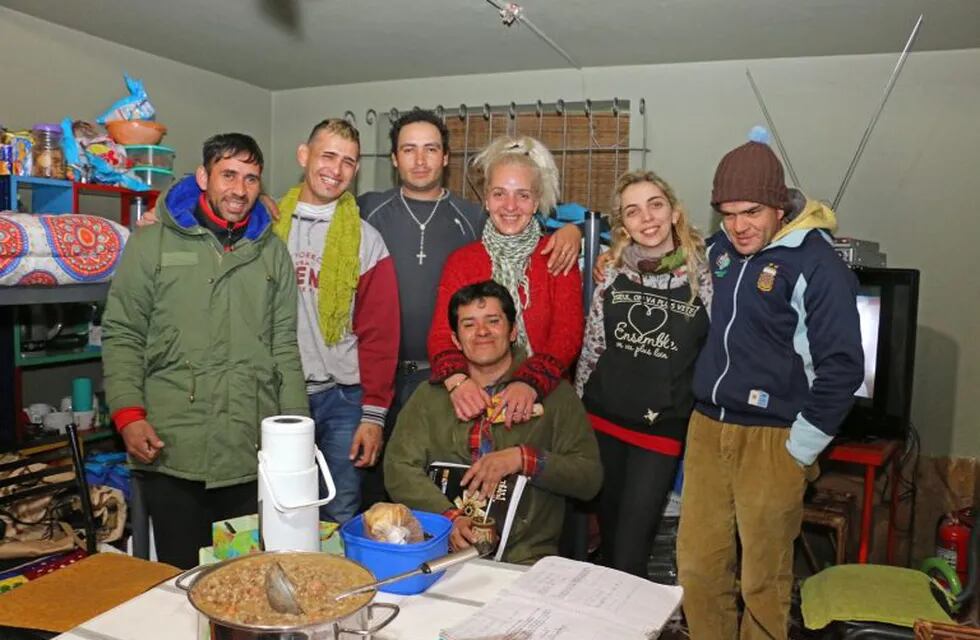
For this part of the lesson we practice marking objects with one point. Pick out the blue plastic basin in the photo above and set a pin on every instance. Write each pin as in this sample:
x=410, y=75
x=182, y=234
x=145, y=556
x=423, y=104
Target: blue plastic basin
x=385, y=559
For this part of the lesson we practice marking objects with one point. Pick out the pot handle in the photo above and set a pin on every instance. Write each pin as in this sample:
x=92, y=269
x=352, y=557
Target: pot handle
x=376, y=628
x=180, y=581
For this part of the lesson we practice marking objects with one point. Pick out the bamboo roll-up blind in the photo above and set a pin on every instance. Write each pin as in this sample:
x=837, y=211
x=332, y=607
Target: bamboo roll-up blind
x=588, y=163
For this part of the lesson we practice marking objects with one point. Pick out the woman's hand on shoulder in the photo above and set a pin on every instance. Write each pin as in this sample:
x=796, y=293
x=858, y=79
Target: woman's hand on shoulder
x=468, y=399
x=517, y=402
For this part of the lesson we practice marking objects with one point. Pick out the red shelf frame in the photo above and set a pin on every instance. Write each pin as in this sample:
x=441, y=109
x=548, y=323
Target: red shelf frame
x=126, y=197
x=872, y=455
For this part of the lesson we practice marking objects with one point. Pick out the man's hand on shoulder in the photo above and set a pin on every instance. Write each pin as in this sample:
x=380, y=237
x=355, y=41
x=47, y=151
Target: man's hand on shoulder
x=486, y=473
x=270, y=205
x=599, y=268
x=141, y=441
x=366, y=447
x=148, y=218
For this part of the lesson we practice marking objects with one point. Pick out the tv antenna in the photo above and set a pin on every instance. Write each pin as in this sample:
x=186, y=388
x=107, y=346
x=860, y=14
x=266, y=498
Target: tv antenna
x=772, y=129
x=867, y=132
x=874, y=119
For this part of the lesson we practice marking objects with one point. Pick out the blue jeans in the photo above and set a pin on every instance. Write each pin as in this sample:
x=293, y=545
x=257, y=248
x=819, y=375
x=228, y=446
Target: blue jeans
x=337, y=414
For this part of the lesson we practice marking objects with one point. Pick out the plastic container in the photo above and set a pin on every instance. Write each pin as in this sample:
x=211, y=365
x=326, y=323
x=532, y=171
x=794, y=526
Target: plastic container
x=385, y=559
x=149, y=155
x=47, y=156
x=158, y=179
x=135, y=131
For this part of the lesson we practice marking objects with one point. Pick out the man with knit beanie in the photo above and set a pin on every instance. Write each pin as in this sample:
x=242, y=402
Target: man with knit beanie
x=348, y=326
x=774, y=381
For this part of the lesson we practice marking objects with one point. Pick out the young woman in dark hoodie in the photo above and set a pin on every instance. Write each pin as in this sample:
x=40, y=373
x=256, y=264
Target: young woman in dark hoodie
x=647, y=322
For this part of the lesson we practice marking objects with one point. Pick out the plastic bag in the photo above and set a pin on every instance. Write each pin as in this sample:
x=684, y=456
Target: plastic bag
x=393, y=523
x=105, y=173
x=95, y=157
x=109, y=469
x=95, y=141
x=135, y=106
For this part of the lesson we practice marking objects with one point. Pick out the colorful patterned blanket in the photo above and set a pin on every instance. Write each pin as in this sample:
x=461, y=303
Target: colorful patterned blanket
x=50, y=250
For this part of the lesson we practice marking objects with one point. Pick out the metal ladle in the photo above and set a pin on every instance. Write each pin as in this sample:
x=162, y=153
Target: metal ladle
x=280, y=591
x=432, y=566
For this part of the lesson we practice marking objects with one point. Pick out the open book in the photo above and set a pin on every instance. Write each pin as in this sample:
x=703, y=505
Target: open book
x=503, y=505
x=561, y=599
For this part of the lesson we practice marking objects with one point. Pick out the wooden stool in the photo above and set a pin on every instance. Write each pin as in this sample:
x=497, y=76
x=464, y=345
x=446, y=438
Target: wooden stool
x=832, y=510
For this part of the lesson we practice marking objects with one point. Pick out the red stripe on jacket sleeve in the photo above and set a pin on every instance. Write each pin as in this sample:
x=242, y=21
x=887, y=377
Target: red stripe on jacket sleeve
x=377, y=327
x=126, y=416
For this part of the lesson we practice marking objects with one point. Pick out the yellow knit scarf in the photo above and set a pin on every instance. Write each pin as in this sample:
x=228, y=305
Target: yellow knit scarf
x=340, y=268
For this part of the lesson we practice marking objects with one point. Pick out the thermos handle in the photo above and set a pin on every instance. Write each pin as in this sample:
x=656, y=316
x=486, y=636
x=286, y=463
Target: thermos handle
x=282, y=508
x=327, y=478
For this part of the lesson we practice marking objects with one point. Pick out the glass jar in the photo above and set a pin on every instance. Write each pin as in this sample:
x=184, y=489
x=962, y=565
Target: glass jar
x=47, y=154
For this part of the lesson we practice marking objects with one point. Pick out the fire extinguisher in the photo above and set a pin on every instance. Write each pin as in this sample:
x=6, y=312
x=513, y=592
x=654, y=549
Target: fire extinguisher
x=953, y=540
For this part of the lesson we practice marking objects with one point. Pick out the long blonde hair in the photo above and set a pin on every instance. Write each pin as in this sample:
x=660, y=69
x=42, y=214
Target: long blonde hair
x=684, y=235
x=526, y=151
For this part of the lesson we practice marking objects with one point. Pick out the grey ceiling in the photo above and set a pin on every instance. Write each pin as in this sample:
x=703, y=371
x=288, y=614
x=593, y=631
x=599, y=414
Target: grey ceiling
x=284, y=44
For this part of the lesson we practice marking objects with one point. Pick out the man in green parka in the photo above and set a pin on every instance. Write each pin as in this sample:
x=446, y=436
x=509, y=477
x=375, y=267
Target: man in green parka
x=200, y=345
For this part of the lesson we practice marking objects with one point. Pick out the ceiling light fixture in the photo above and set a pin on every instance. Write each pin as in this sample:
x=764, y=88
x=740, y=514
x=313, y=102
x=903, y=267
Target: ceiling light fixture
x=512, y=12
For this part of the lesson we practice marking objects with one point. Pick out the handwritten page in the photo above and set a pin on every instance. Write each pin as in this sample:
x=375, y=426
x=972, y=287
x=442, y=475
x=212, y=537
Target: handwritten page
x=561, y=599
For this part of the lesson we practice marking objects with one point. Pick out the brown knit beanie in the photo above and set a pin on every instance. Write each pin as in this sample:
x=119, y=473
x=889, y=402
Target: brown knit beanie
x=752, y=173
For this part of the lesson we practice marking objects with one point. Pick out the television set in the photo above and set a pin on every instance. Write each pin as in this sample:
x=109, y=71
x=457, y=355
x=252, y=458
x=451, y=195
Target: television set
x=888, y=304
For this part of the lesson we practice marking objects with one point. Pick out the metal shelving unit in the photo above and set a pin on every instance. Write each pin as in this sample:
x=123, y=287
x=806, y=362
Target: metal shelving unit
x=44, y=195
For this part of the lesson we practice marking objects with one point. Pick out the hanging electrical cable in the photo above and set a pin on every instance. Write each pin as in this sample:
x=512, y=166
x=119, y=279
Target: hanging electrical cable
x=512, y=12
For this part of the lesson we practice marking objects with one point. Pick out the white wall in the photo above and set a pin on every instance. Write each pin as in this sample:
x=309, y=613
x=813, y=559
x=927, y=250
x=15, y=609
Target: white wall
x=914, y=192
x=50, y=72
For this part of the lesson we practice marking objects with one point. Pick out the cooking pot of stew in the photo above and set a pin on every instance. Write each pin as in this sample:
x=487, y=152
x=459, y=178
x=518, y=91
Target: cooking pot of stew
x=232, y=596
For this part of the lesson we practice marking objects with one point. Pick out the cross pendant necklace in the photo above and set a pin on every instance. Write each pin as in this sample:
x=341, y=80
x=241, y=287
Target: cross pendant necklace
x=421, y=255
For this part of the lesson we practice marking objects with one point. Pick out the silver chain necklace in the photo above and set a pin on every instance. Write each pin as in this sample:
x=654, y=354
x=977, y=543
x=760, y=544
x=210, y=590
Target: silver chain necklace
x=421, y=255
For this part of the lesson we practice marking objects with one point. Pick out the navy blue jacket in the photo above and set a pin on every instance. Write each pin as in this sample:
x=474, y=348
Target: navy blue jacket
x=784, y=348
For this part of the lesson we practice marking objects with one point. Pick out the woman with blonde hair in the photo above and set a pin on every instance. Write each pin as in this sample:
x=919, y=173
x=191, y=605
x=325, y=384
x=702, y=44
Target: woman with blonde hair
x=647, y=322
x=519, y=179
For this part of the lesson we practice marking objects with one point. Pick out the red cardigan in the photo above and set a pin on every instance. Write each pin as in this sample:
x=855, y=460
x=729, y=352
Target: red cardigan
x=554, y=320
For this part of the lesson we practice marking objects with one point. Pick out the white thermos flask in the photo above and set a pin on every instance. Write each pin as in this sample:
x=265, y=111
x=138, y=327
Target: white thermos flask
x=289, y=469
